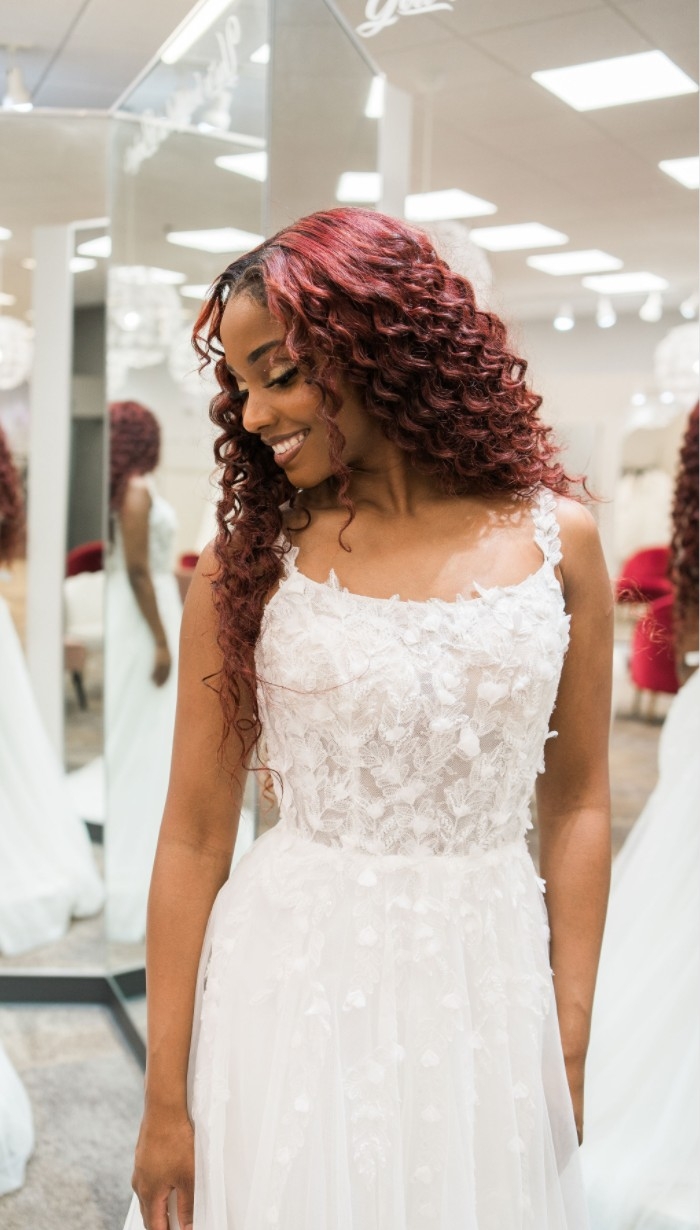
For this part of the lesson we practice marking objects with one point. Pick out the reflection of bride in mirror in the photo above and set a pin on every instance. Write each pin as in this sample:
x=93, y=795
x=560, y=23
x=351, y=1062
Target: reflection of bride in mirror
x=143, y=626
x=47, y=873
x=643, y=1130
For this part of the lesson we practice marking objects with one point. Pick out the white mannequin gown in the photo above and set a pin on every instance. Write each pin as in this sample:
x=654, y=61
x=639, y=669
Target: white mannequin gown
x=47, y=871
x=375, y=1041
x=642, y=1138
x=16, y=1127
x=139, y=723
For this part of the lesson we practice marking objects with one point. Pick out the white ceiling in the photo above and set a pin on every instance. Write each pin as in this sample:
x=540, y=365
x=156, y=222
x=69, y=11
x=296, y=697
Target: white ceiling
x=480, y=123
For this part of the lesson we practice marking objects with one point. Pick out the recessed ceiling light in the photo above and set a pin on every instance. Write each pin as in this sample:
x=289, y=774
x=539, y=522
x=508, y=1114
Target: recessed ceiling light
x=625, y=283
x=81, y=264
x=374, y=107
x=102, y=246
x=564, y=319
x=652, y=309
x=253, y=165
x=622, y=79
x=192, y=28
x=520, y=235
x=359, y=187
x=4, y=233
x=605, y=315
x=194, y=292
x=590, y=260
x=262, y=55
x=448, y=203
x=6, y=300
x=685, y=170
x=689, y=307
x=221, y=239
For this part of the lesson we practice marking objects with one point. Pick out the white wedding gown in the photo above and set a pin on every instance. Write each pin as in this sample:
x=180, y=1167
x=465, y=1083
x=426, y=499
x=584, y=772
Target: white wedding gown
x=47, y=872
x=140, y=718
x=642, y=1145
x=16, y=1127
x=375, y=1042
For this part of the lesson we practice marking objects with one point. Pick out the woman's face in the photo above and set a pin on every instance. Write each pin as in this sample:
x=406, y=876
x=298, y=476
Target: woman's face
x=280, y=406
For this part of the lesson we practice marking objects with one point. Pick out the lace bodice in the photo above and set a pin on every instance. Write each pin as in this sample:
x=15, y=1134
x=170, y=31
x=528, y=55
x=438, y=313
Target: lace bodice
x=162, y=531
x=404, y=727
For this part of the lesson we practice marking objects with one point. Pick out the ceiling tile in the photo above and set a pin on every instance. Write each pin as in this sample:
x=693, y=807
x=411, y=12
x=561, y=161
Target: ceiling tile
x=572, y=39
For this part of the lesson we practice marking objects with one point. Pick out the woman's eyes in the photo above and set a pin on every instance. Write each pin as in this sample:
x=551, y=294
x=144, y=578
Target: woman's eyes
x=284, y=379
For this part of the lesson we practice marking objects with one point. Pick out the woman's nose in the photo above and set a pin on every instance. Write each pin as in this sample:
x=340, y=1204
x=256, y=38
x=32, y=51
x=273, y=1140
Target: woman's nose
x=257, y=414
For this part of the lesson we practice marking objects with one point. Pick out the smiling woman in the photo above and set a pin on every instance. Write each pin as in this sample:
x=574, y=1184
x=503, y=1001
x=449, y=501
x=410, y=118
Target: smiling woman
x=374, y=1036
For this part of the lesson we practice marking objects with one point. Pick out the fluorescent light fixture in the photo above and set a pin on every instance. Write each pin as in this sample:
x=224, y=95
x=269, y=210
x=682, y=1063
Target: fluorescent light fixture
x=253, y=164
x=448, y=203
x=359, y=187
x=374, y=107
x=81, y=264
x=262, y=55
x=605, y=315
x=653, y=308
x=4, y=233
x=194, y=292
x=685, y=170
x=667, y=398
x=625, y=283
x=564, y=319
x=102, y=246
x=639, y=399
x=6, y=300
x=611, y=83
x=590, y=260
x=689, y=307
x=197, y=22
x=512, y=238
x=147, y=275
x=222, y=239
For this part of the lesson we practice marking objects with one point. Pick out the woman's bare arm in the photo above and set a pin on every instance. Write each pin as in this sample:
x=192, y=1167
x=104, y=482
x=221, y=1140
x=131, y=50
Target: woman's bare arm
x=573, y=795
x=192, y=862
x=133, y=519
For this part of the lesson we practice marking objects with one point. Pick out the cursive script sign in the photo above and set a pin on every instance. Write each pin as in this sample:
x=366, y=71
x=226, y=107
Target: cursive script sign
x=379, y=14
x=180, y=106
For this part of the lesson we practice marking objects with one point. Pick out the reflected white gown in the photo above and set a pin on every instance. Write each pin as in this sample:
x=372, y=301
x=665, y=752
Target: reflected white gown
x=642, y=1144
x=375, y=1041
x=16, y=1127
x=139, y=724
x=47, y=871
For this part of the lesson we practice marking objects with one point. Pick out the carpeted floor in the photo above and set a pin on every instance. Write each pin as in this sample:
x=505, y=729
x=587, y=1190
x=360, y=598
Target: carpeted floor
x=86, y=1091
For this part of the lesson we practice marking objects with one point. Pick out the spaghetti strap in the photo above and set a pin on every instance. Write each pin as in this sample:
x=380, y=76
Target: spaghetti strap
x=544, y=516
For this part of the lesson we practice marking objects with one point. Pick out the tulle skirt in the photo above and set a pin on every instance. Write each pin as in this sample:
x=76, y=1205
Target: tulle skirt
x=16, y=1128
x=140, y=719
x=642, y=1145
x=47, y=871
x=376, y=1047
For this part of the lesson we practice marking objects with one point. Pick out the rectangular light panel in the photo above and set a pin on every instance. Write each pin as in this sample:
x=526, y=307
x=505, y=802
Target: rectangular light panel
x=448, y=203
x=614, y=82
x=359, y=187
x=374, y=107
x=685, y=170
x=223, y=239
x=590, y=260
x=261, y=55
x=518, y=236
x=625, y=283
x=194, y=292
x=101, y=246
x=253, y=165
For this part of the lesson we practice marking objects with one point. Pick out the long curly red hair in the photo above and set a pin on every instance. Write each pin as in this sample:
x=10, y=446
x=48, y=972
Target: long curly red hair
x=134, y=446
x=363, y=298
x=11, y=504
x=684, y=537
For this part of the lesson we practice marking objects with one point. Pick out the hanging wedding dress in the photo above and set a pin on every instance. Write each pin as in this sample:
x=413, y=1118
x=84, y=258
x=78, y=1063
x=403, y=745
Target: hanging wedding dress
x=16, y=1128
x=139, y=722
x=642, y=1144
x=47, y=871
x=375, y=1042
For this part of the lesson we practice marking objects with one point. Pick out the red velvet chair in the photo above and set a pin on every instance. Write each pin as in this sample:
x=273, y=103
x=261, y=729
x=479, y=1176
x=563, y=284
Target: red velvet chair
x=185, y=570
x=653, y=658
x=88, y=557
x=644, y=576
